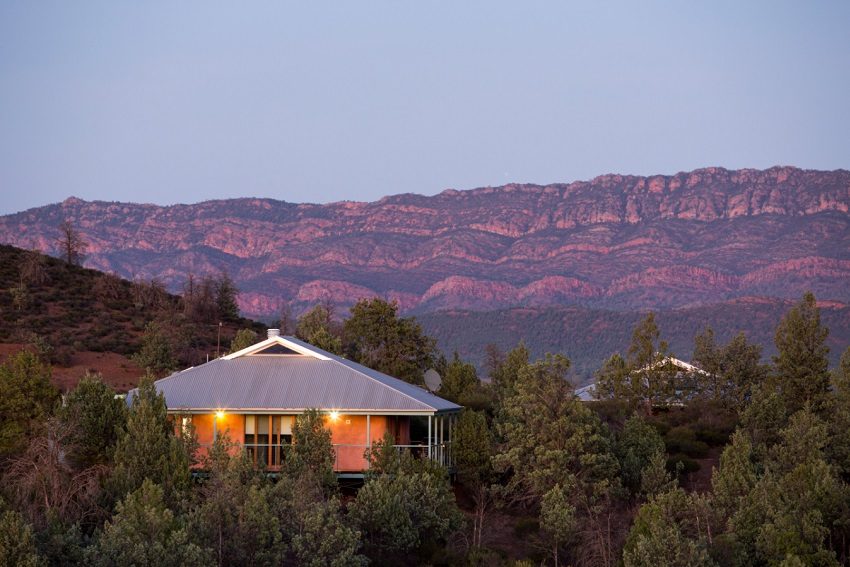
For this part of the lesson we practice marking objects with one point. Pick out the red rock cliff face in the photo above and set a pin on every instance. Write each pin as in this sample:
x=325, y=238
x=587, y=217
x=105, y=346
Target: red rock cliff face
x=616, y=241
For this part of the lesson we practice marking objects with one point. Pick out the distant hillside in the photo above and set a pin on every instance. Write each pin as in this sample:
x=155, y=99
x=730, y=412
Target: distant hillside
x=589, y=336
x=615, y=242
x=85, y=319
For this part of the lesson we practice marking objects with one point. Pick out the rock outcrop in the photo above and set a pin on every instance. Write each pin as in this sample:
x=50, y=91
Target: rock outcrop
x=617, y=241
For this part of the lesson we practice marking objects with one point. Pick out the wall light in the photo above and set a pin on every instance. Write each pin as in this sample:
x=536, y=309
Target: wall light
x=334, y=415
x=219, y=414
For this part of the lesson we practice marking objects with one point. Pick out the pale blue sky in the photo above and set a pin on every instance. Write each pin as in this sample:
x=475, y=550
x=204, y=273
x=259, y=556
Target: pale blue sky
x=185, y=101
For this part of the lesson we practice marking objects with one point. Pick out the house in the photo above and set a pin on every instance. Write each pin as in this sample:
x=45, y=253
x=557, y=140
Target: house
x=681, y=374
x=256, y=393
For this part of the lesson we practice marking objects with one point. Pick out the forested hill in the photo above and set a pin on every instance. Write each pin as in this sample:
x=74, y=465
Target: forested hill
x=83, y=319
x=589, y=336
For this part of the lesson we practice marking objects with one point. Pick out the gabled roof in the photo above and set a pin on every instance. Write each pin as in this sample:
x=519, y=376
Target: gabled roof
x=303, y=377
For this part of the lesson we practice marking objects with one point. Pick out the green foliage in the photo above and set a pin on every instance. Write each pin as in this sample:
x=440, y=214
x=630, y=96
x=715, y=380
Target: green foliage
x=551, y=438
x=225, y=297
x=17, y=544
x=645, y=377
x=505, y=371
x=27, y=399
x=375, y=336
x=635, y=447
x=801, y=365
x=312, y=453
x=325, y=540
x=317, y=327
x=401, y=513
x=459, y=380
x=557, y=520
x=472, y=448
x=665, y=533
x=156, y=354
x=243, y=339
x=149, y=448
x=684, y=440
x=732, y=370
x=95, y=419
x=235, y=518
x=145, y=532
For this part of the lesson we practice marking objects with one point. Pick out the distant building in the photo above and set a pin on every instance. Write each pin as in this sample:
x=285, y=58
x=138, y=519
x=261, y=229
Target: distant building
x=683, y=389
x=256, y=393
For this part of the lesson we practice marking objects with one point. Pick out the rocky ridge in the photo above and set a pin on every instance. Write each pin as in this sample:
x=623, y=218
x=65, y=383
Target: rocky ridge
x=615, y=242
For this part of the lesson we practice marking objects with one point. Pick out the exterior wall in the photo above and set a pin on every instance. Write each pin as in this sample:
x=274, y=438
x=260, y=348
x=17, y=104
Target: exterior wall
x=205, y=426
x=348, y=434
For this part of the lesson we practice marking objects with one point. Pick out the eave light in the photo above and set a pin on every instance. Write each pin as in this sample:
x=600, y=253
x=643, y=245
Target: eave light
x=219, y=414
x=334, y=415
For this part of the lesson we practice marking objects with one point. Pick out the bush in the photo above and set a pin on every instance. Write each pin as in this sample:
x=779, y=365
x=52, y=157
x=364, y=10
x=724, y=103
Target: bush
x=688, y=465
x=713, y=435
x=526, y=526
x=684, y=440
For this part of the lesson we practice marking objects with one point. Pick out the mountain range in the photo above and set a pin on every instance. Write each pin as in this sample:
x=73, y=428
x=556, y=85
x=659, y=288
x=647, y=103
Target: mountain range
x=618, y=242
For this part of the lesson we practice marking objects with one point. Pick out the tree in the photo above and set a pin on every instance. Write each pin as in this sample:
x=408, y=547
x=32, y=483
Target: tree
x=95, y=419
x=317, y=327
x=839, y=421
x=557, y=520
x=732, y=370
x=149, y=448
x=46, y=487
x=505, y=370
x=27, y=399
x=225, y=297
x=235, y=517
x=325, y=540
x=156, y=354
x=72, y=246
x=646, y=376
x=636, y=446
x=312, y=455
x=553, y=439
x=662, y=534
x=472, y=448
x=459, y=380
x=17, y=544
x=399, y=513
x=801, y=367
x=243, y=339
x=145, y=532
x=33, y=268
x=375, y=336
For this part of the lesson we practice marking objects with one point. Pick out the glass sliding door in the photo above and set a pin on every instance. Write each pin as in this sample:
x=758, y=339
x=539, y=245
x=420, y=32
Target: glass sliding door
x=267, y=438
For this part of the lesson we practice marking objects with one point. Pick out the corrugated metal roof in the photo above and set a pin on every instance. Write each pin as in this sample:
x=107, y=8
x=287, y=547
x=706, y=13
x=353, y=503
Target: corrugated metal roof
x=265, y=382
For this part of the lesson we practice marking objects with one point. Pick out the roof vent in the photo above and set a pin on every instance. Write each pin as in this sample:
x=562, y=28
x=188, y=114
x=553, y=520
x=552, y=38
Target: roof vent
x=273, y=333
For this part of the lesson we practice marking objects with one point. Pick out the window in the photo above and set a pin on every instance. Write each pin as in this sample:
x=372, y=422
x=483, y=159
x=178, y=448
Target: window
x=267, y=438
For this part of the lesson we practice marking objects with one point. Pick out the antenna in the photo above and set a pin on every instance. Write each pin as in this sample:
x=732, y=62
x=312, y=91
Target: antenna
x=432, y=380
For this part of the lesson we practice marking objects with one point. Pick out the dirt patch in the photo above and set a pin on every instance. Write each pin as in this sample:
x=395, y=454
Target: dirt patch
x=117, y=370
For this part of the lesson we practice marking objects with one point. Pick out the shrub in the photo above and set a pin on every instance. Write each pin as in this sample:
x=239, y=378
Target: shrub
x=684, y=440
x=526, y=526
x=688, y=465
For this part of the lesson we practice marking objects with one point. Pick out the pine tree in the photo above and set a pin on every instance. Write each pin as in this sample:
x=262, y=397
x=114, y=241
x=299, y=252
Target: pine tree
x=801, y=367
x=144, y=531
x=149, y=448
x=225, y=297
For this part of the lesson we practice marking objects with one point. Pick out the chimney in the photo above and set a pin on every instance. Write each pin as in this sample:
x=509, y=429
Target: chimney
x=273, y=333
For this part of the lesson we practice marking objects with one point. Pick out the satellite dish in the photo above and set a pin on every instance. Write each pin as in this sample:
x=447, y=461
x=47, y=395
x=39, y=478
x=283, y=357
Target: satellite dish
x=432, y=380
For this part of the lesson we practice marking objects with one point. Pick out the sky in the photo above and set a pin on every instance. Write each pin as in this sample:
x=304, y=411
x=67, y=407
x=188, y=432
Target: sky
x=180, y=102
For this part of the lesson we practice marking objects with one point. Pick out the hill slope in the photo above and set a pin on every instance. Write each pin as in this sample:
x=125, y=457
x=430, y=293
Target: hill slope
x=589, y=336
x=616, y=242
x=87, y=320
